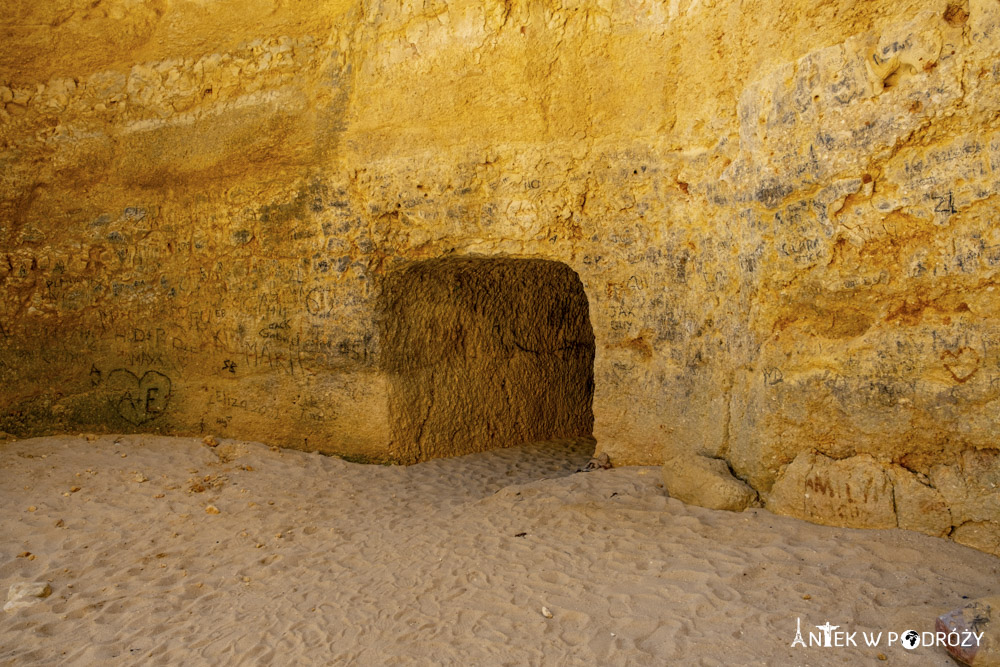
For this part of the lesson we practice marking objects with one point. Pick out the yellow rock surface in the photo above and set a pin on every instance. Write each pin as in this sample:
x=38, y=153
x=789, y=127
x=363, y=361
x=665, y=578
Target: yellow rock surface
x=782, y=216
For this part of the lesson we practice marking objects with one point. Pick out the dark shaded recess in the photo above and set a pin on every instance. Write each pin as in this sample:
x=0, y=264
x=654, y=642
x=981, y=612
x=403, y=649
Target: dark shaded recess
x=485, y=352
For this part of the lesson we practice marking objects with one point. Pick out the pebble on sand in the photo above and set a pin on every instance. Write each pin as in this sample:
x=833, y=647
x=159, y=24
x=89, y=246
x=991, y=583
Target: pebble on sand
x=977, y=618
x=25, y=593
x=546, y=613
x=211, y=509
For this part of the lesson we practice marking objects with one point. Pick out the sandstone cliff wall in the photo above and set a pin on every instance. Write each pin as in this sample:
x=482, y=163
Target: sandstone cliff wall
x=783, y=217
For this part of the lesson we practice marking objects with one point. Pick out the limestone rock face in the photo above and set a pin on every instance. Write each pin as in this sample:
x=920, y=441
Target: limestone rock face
x=972, y=491
x=919, y=506
x=856, y=492
x=860, y=492
x=706, y=482
x=782, y=220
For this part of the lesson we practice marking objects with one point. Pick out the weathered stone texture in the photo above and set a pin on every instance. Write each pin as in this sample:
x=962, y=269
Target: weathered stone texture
x=706, y=482
x=853, y=492
x=484, y=353
x=978, y=619
x=971, y=488
x=783, y=219
x=919, y=506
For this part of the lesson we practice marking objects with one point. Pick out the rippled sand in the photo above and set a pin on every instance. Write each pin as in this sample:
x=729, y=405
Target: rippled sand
x=313, y=560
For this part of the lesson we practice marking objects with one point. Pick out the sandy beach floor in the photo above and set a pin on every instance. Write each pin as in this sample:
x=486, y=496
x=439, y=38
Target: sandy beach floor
x=313, y=560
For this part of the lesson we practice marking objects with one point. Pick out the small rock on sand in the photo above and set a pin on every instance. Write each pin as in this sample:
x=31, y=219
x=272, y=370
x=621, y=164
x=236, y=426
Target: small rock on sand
x=24, y=594
x=977, y=623
x=599, y=462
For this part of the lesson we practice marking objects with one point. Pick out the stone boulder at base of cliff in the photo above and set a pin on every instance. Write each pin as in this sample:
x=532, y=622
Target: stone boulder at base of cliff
x=706, y=482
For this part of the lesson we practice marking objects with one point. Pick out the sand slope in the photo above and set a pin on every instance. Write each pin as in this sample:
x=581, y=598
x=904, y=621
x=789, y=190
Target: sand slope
x=313, y=560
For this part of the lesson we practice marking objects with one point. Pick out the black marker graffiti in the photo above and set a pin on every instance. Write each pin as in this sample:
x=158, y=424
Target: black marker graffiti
x=945, y=204
x=138, y=400
x=773, y=376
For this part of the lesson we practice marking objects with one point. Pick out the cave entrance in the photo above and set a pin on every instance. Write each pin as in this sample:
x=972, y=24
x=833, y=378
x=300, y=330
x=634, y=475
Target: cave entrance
x=485, y=353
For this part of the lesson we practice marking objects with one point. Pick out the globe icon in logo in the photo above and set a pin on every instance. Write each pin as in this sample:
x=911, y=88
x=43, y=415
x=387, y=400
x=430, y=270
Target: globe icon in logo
x=911, y=639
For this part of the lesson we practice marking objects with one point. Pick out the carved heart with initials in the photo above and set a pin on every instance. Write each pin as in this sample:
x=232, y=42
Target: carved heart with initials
x=962, y=364
x=138, y=400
